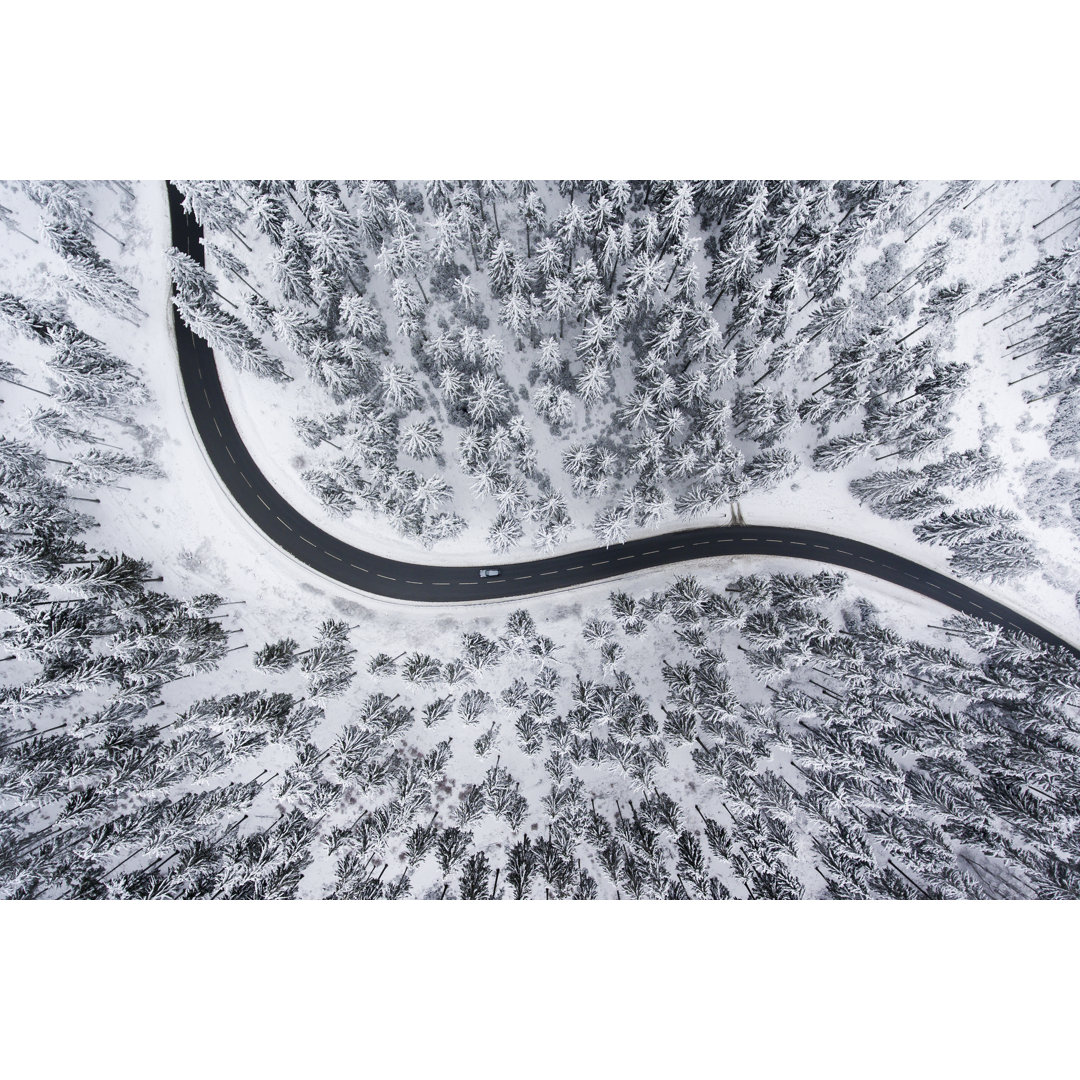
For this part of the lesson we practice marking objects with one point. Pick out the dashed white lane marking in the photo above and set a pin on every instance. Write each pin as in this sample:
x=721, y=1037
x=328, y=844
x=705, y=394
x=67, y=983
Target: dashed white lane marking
x=217, y=428
x=229, y=452
x=623, y=558
x=263, y=501
x=285, y=523
x=848, y=553
x=524, y=577
x=248, y=482
x=655, y=551
x=604, y=563
x=700, y=543
x=385, y=578
x=799, y=543
x=207, y=396
x=575, y=568
x=548, y=573
x=440, y=583
x=408, y=582
x=307, y=541
x=676, y=547
x=467, y=583
x=956, y=594
x=339, y=559
x=865, y=558
x=978, y=606
x=821, y=547
x=357, y=566
x=770, y=540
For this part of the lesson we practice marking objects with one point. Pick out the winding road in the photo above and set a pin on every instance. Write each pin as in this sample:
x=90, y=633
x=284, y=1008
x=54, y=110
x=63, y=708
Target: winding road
x=408, y=581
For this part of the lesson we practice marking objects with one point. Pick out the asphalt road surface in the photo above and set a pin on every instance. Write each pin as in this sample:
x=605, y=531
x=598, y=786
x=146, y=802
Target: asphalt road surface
x=399, y=580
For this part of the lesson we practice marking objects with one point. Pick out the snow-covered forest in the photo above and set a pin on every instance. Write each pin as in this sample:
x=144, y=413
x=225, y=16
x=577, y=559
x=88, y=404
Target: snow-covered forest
x=500, y=367
x=678, y=556
x=480, y=367
x=776, y=740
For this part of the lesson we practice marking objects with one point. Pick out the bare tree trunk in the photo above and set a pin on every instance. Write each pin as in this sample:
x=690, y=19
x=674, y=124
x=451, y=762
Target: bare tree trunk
x=912, y=334
x=23, y=386
x=890, y=288
x=909, y=880
x=1031, y=376
x=1056, y=231
x=220, y=296
x=1053, y=393
x=928, y=208
x=240, y=277
x=106, y=232
x=1015, y=307
x=1022, y=341
x=1045, y=219
x=1017, y=322
x=297, y=205
x=15, y=228
x=31, y=734
x=238, y=237
x=933, y=217
x=109, y=873
x=979, y=196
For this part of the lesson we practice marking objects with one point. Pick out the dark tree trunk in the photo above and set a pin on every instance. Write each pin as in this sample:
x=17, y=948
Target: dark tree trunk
x=1056, y=231
x=292, y=198
x=23, y=386
x=1037, y=223
x=1017, y=322
x=240, y=277
x=909, y=880
x=912, y=334
x=102, y=228
x=1015, y=307
x=1041, y=371
x=238, y=237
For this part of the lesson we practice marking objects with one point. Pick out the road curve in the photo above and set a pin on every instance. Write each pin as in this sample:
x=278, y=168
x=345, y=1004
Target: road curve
x=398, y=580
